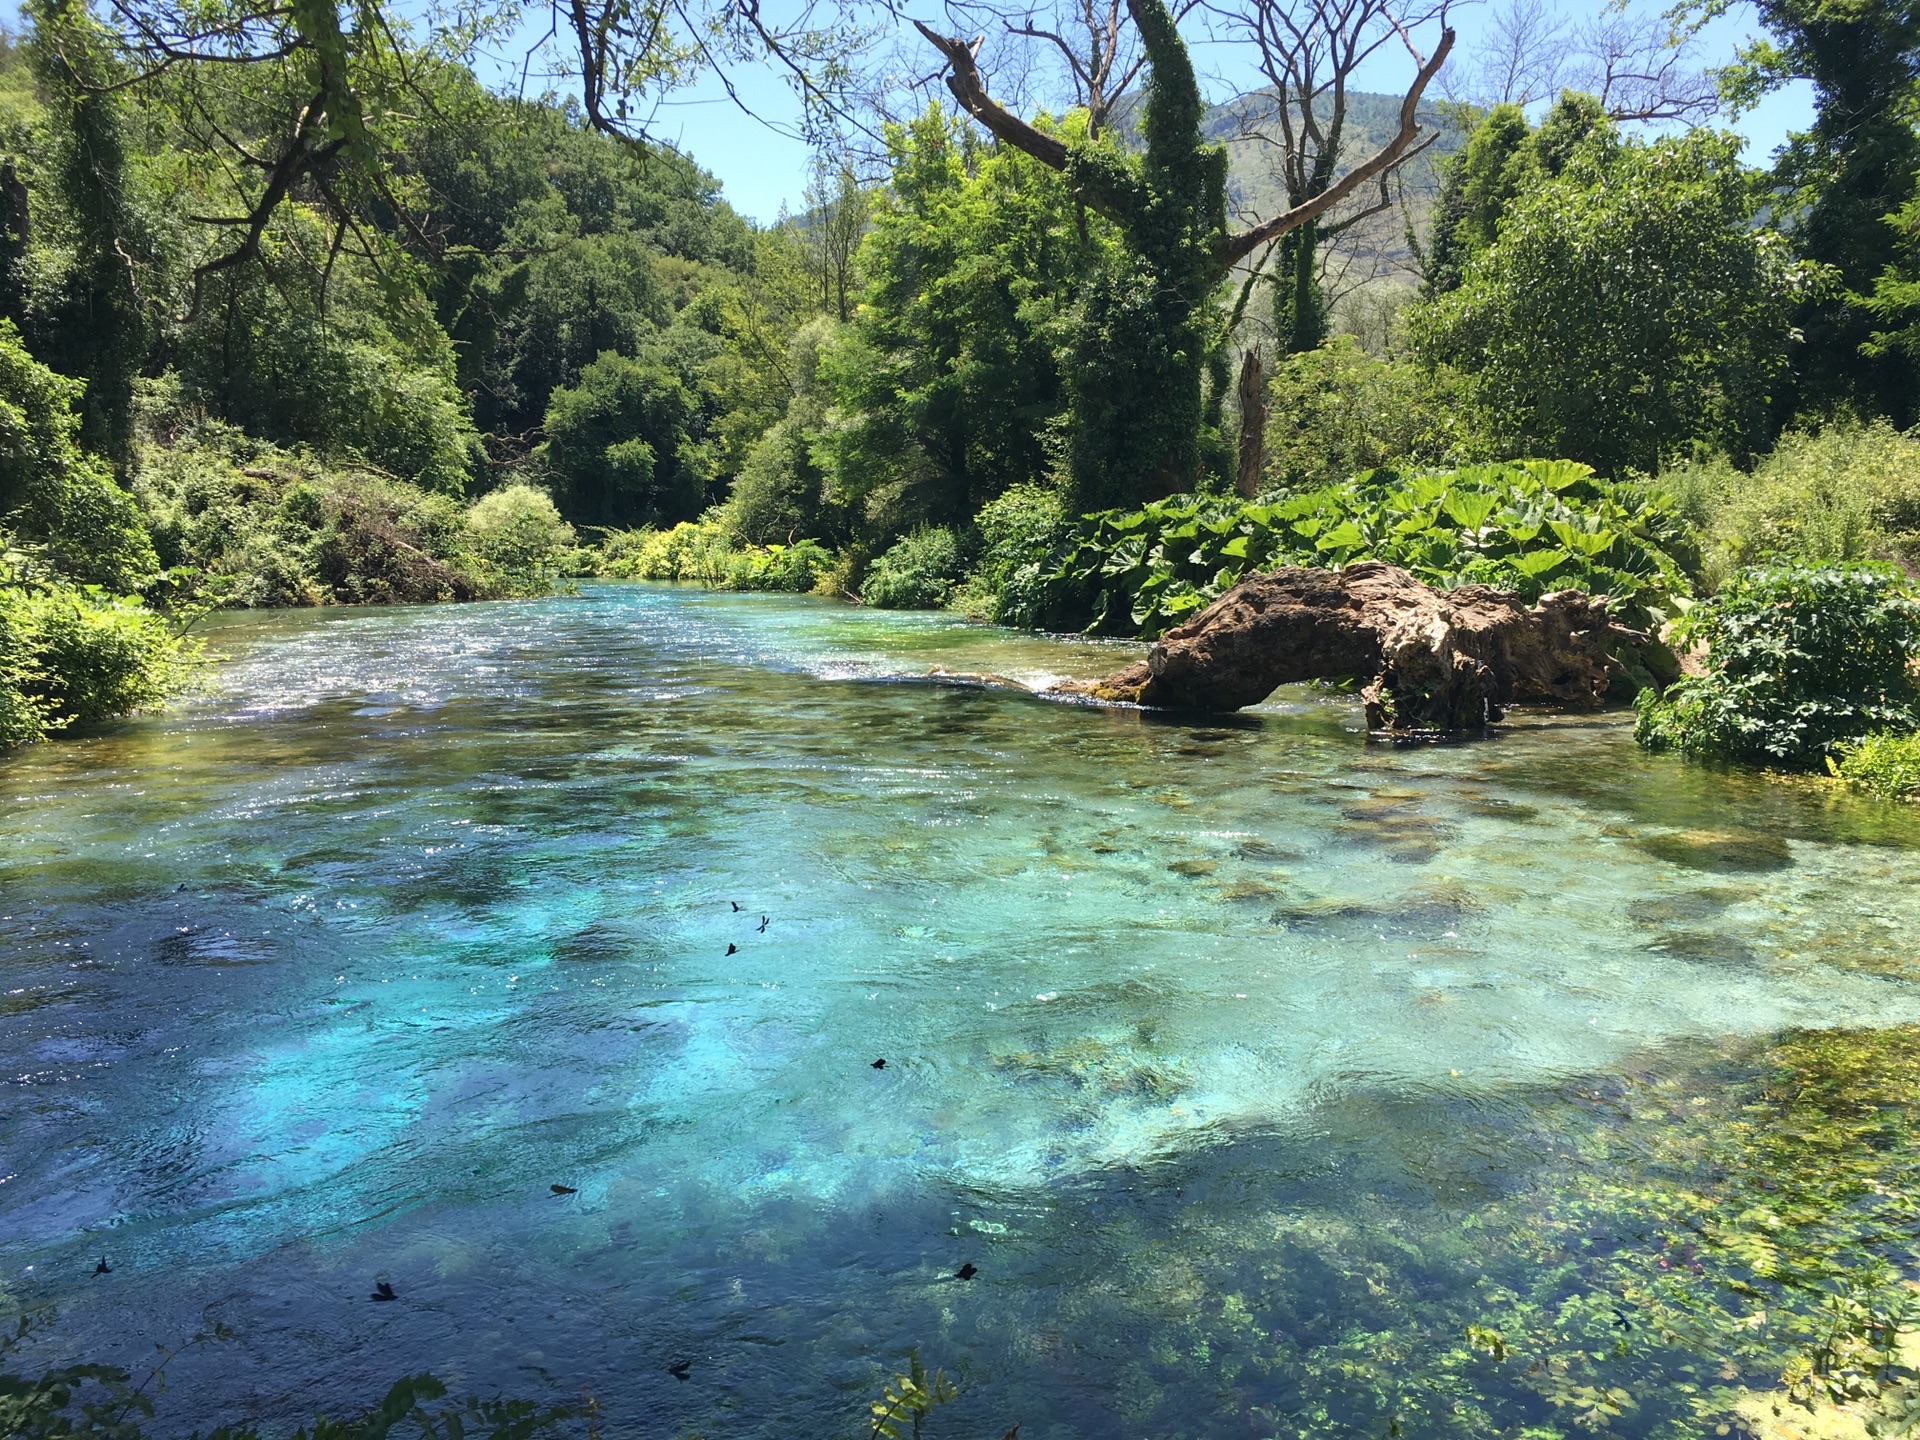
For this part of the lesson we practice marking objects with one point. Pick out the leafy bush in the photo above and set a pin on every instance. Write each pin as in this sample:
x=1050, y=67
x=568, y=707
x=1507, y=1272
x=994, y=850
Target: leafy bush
x=1799, y=661
x=618, y=444
x=1337, y=411
x=97, y=655
x=709, y=552
x=517, y=531
x=291, y=530
x=918, y=573
x=77, y=654
x=1885, y=763
x=54, y=494
x=779, y=491
x=1527, y=526
x=794, y=569
x=1848, y=492
x=1017, y=531
x=692, y=550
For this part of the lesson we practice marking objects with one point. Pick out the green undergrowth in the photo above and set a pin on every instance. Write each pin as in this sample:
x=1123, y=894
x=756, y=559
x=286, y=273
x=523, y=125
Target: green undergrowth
x=1886, y=763
x=75, y=654
x=1846, y=493
x=1528, y=526
x=1800, y=660
x=287, y=528
x=920, y=572
x=710, y=552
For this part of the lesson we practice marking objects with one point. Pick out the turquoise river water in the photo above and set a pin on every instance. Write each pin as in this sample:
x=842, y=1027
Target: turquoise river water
x=330, y=974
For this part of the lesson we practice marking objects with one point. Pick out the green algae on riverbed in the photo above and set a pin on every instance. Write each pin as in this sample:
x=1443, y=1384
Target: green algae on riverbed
x=1277, y=1082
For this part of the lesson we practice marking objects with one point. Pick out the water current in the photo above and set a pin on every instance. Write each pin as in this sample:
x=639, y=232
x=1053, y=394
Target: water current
x=332, y=973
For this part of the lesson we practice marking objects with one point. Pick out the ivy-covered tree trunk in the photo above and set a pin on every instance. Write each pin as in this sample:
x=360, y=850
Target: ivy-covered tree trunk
x=100, y=332
x=1145, y=328
x=1299, y=300
x=1147, y=333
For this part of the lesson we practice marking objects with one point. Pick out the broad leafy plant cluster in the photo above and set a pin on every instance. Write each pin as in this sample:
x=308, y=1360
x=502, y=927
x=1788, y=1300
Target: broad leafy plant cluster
x=1799, y=660
x=1529, y=526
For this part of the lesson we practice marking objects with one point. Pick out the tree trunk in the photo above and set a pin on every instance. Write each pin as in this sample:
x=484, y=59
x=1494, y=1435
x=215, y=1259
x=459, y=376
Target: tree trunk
x=1253, y=424
x=1429, y=660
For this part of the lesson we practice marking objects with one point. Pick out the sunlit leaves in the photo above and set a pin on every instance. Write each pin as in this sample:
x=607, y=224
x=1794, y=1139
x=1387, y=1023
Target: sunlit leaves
x=1527, y=526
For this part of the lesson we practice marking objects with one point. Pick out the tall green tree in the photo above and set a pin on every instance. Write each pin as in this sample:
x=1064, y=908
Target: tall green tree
x=1147, y=330
x=1855, y=166
x=1627, y=306
x=1896, y=294
x=1503, y=158
x=949, y=378
x=93, y=324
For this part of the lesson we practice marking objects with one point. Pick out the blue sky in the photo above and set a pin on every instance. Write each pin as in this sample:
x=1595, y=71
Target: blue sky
x=762, y=169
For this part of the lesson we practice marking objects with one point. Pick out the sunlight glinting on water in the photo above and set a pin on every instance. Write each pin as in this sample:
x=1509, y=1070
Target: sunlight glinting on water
x=342, y=966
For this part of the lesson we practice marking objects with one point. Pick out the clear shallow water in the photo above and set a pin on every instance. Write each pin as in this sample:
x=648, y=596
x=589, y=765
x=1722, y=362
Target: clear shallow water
x=332, y=973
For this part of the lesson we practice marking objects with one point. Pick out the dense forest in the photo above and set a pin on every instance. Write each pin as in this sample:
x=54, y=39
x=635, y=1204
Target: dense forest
x=259, y=355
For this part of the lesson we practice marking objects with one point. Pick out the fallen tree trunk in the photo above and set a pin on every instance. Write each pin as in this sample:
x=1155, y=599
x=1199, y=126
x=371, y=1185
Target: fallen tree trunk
x=1429, y=660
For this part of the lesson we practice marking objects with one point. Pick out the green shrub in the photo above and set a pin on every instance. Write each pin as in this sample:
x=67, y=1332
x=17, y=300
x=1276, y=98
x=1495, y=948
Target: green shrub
x=700, y=550
x=1848, y=492
x=517, y=532
x=618, y=444
x=1527, y=526
x=1017, y=532
x=1337, y=411
x=918, y=573
x=780, y=492
x=54, y=494
x=24, y=715
x=77, y=654
x=1885, y=763
x=794, y=569
x=1799, y=661
x=292, y=530
x=95, y=655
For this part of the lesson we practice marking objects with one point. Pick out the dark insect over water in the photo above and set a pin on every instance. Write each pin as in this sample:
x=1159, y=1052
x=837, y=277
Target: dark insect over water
x=966, y=1271
x=733, y=949
x=880, y=1064
x=103, y=1268
x=563, y=1190
x=382, y=1291
x=680, y=1369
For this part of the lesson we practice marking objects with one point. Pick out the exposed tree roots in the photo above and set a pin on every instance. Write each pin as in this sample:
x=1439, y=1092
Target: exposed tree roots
x=1428, y=660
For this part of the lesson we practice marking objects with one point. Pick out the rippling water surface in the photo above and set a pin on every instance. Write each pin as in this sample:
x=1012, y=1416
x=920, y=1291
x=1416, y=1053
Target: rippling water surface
x=332, y=973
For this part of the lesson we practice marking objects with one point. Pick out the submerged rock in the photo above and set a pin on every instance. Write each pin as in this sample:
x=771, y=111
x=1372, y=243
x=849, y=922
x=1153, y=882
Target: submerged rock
x=1430, y=660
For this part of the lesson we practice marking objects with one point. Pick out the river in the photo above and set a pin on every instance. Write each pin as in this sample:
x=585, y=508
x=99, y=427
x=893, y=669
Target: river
x=1199, y=1038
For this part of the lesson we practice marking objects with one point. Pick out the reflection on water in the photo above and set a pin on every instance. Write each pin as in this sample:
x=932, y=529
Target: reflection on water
x=337, y=971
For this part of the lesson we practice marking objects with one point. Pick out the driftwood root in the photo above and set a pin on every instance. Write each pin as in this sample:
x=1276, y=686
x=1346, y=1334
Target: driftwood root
x=1427, y=660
